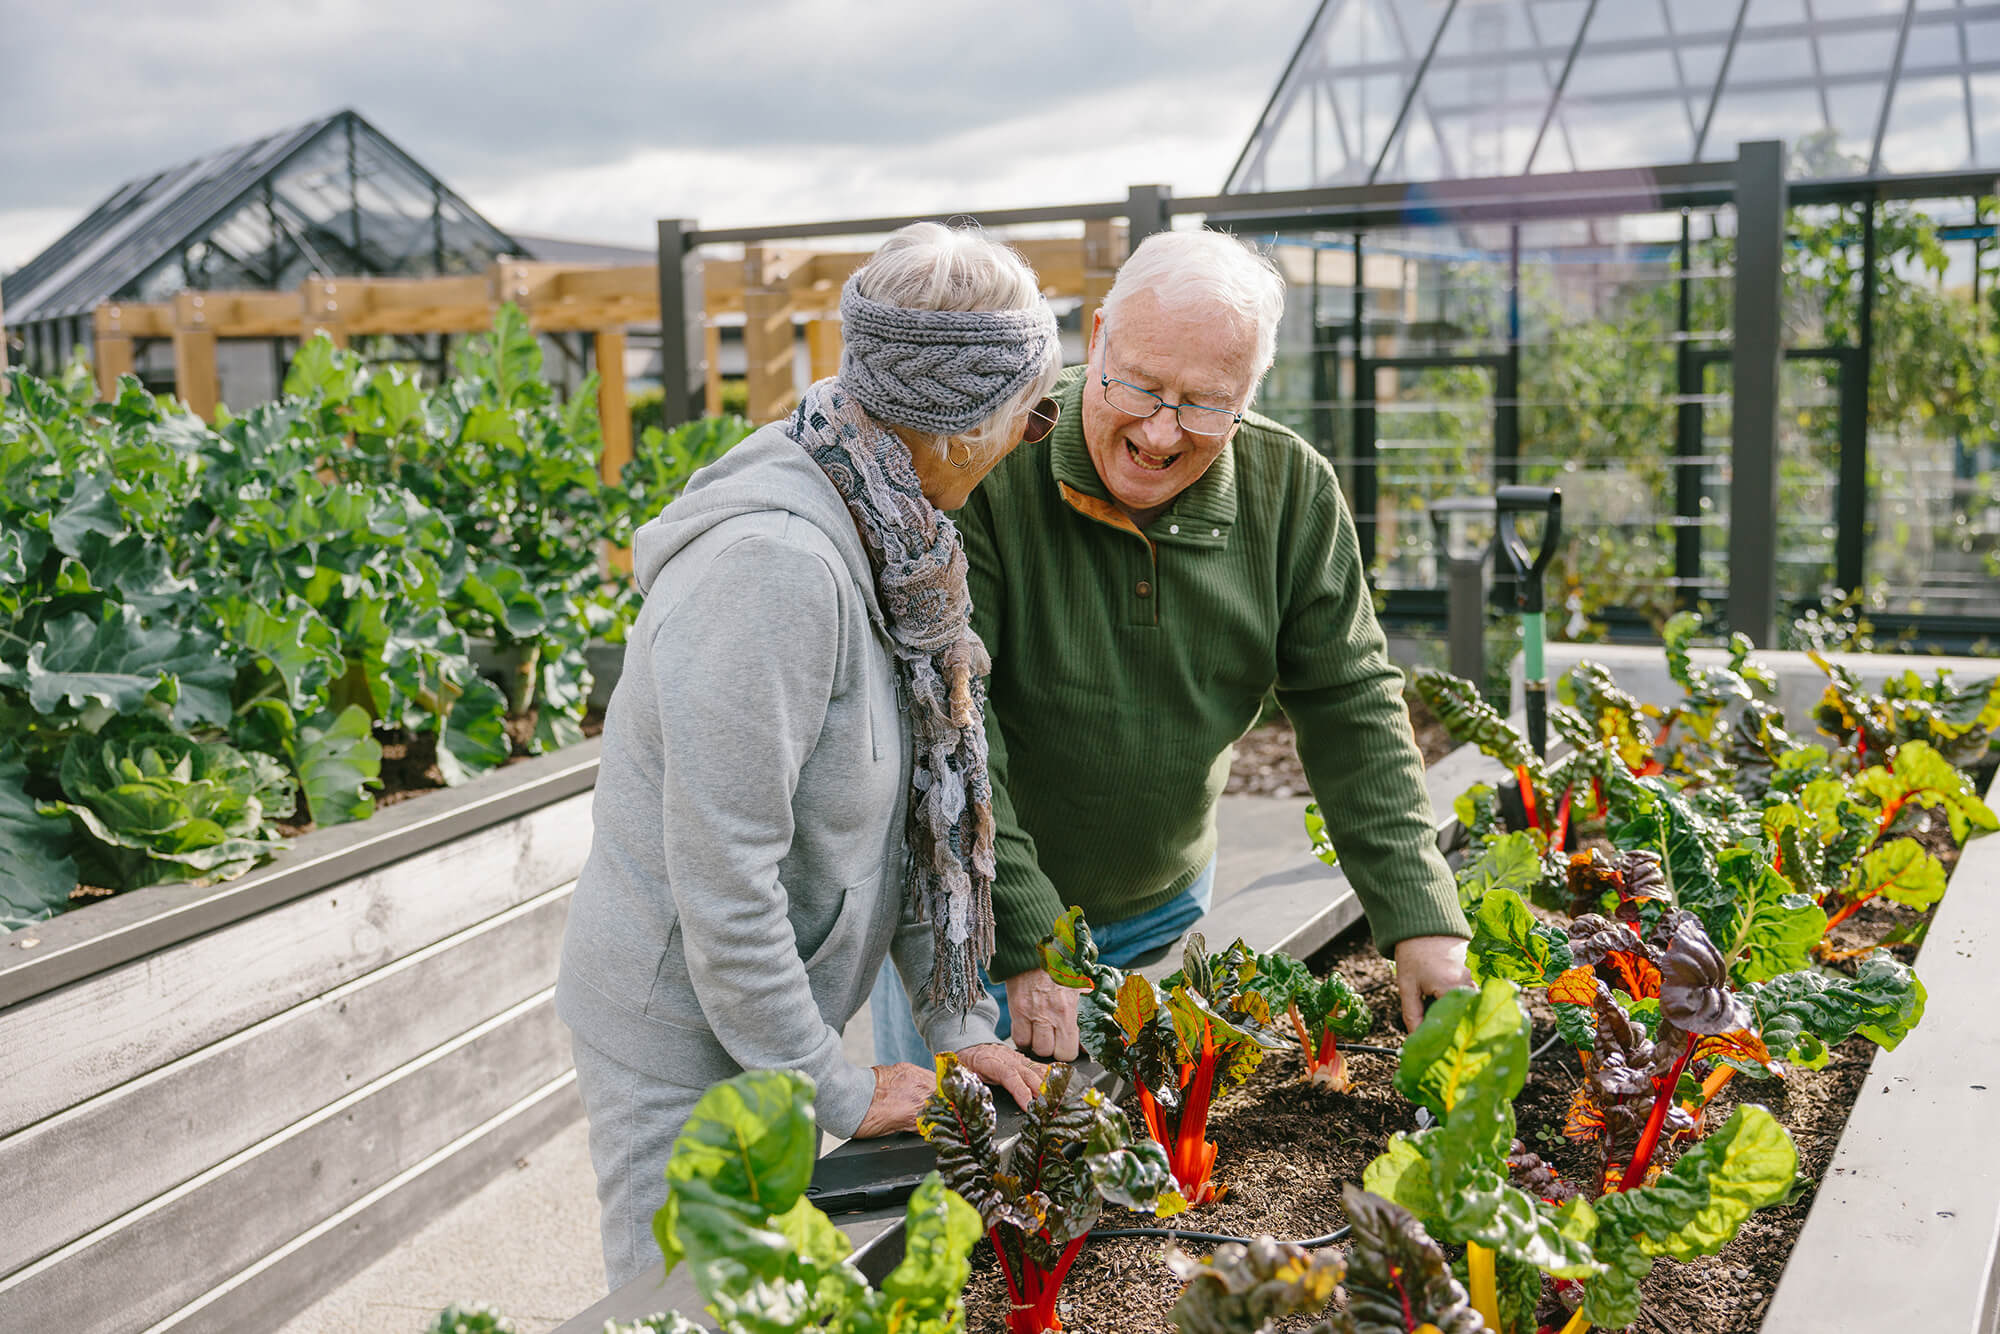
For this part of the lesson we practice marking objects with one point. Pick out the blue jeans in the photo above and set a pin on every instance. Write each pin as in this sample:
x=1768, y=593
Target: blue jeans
x=1118, y=944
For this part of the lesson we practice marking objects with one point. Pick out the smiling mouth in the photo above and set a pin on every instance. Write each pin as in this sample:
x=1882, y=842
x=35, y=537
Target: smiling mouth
x=1150, y=462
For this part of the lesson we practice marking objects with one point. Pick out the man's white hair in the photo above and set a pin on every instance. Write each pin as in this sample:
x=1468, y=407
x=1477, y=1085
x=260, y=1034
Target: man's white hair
x=928, y=266
x=1187, y=272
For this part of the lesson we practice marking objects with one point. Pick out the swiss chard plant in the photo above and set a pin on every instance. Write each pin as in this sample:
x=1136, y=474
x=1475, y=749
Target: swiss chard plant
x=1465, y=1065
x=1957, y=719
x=1322, y=1012
x=769, y=1261
x=1180, y=1045
x=1396, y=1279
x=1039, y=1197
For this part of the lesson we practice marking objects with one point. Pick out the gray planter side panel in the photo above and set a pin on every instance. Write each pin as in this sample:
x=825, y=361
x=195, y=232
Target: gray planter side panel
x=1906, y=1227
x=81, y=1040
x=230, y=1095
x=152, y=1262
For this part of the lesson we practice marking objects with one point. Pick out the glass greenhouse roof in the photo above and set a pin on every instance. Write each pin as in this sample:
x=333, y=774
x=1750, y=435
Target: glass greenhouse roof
x=334, y=196
x=1420, y=90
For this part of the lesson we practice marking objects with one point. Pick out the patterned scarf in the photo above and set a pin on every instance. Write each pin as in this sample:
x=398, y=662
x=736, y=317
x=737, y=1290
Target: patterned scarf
x=919, y=565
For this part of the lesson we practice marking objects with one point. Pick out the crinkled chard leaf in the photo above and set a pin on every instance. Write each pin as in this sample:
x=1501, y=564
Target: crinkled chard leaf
x=1508, y=943
x=1241, y=1289
x=1397, y=1278
x=1801, y=1014
x=1694, y=985
x=1510, y=862
x=1768, y=928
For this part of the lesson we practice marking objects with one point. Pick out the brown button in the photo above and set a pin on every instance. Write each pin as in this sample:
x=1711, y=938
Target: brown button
x=1145, y=590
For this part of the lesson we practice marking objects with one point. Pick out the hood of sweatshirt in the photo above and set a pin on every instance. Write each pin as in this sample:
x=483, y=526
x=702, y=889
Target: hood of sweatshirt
x=767, y=472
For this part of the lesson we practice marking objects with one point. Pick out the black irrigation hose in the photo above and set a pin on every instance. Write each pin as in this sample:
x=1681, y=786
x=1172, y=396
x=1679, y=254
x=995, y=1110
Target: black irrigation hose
x=1352, y=1050
x=1214, y=1238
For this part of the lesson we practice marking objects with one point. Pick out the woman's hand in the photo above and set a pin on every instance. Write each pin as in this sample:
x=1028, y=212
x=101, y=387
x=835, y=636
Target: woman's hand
x=901, y=1090
x=1003, y=1064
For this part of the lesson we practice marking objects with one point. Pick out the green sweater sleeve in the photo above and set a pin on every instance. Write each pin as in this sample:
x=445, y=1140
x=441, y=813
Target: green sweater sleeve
x=1344, y=699
x=1025, y=902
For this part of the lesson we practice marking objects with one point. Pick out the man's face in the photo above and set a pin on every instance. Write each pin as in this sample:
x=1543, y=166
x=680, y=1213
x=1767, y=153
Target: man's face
x=1208, y=359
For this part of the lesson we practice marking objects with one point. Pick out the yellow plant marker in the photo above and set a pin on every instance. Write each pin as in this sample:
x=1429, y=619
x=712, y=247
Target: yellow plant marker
x=1577, y=1324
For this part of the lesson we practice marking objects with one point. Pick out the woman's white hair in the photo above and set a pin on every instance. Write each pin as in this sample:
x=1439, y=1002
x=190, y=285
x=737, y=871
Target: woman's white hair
x=1190, y=272
x=928, y=266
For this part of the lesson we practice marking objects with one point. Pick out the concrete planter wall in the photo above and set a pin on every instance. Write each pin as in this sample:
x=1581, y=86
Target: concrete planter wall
x=216, y=1104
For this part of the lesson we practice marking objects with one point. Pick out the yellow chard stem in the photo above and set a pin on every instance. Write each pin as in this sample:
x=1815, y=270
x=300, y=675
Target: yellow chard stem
x=1485, y=1291
x=1577, y=1324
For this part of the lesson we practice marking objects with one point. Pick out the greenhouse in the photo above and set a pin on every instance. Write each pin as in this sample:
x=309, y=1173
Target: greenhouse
x=431, y=763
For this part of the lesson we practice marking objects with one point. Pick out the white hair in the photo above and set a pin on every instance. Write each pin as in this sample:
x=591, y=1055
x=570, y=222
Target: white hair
x=1202, y=270
x=928, y=266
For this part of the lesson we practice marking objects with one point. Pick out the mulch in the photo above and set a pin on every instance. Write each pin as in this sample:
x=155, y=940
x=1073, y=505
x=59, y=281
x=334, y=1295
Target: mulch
x=1286, y=1147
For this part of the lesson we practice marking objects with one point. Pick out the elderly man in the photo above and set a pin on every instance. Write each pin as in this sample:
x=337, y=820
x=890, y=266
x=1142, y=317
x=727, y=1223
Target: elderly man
x=1142, y=578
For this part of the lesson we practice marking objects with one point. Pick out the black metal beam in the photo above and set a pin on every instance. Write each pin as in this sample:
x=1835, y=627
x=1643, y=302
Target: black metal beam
x=1851, y=507
x=1687, y=432
x=1721, y=76
x=1562, y=83
x=1410, y=94
x=1755, y=364
x=1148, y=209
x=679, y=386
x=1362, y=443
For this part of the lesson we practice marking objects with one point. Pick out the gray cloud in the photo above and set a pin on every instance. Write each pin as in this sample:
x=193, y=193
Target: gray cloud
x=499, y=91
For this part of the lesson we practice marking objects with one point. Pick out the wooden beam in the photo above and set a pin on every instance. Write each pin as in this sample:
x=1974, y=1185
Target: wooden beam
x=324, y=311
x=767, y=333
x=1103, y=252
x=195, y=379
x=135, y=319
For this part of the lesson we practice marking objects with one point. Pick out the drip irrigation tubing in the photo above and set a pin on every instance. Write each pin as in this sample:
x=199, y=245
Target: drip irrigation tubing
x=1215, y=1238
x=1543, y=1050
x=1349, y=1049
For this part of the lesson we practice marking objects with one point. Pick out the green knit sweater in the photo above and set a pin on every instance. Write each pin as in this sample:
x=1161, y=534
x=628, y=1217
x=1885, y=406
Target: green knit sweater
x=1125, y=665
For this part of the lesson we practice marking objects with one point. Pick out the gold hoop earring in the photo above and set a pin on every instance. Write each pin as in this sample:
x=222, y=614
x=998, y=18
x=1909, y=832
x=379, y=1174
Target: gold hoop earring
x=954, y=462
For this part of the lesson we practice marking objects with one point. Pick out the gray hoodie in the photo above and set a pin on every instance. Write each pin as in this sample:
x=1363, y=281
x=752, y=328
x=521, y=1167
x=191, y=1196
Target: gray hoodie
x=745, y=877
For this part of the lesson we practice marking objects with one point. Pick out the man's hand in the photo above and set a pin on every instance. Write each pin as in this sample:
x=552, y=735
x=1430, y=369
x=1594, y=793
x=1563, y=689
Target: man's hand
x=1044, y=1015
x=1428, y=966
x=901, y=1090
x=998, y=1063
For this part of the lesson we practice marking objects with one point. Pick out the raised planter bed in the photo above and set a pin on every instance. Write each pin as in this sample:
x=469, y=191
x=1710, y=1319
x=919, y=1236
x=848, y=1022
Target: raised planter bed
x=216, y=1103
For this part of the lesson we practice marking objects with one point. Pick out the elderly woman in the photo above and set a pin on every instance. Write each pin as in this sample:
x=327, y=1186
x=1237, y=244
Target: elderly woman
x=793, y=784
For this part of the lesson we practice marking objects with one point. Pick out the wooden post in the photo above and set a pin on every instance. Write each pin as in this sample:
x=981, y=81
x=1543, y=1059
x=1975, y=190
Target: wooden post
x=711, y=336
x=614, y=409
x=114, y=348
x=767, y=335
x=194, y=355
x=823, y=343
x=322, y=313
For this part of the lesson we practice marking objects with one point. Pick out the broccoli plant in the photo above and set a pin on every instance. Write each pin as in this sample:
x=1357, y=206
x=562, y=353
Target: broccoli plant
x=1040, y=1197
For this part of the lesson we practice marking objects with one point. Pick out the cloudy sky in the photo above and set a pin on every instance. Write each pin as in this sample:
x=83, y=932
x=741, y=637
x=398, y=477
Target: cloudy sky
x=594, y=118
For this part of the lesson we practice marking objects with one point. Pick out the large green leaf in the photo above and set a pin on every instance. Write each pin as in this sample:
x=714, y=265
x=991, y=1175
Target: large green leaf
x=36, y=871
x=339, y=762
x=1511, y=862
x=1508, y=943
x=1922, y=777
x=121, y=664
x=474, y=737
x=507, y=597
x=1694, y=1209
x=1766, y=928
x=1903, y=871
x=750, y=1140
x=293, y=638
x=1466, y=1036
x=1471, y=720
x=939, y=1232
x=1800, y=1014
x=89, y=509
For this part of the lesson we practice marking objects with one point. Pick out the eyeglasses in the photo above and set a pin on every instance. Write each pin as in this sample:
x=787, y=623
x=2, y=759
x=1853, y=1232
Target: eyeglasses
x=1041, y=420
x=1192, y=418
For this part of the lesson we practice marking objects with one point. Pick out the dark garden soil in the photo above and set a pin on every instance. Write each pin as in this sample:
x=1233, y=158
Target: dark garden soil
x=1267, y=758
x=1285, y=1148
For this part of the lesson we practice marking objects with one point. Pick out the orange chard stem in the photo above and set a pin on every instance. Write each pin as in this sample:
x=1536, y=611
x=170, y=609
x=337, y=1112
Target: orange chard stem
x=1845, y=913
x=1527, y=796
x=1305, y=1039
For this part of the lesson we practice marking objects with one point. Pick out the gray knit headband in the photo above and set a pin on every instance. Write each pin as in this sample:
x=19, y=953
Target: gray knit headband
x=943, y=371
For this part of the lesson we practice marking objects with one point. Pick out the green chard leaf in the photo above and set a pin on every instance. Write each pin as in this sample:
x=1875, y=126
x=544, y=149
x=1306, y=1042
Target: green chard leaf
x=1467, y=1039
x=1510, y=862
x=1902, y=871
x=36, y=870
x=1471, y=720
x=1508, y=943
x=1800, y=1014
x=1767, y=928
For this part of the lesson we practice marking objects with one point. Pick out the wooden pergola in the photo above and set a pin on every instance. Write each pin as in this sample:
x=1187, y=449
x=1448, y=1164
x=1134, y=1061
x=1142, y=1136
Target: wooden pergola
x=772, y=288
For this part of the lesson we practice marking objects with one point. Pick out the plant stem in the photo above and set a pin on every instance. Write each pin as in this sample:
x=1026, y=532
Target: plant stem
x=1845, y=913
x=1649, y=1139
x=1527, y=795
x=1577, y=1324
x=1717, y=1080
x=1305, y=1039
x=1482, y=1283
